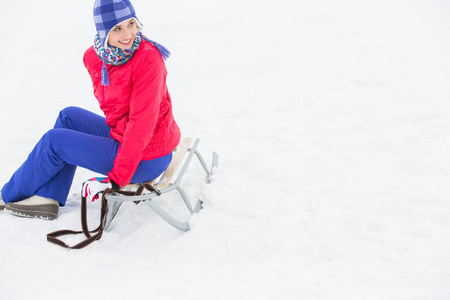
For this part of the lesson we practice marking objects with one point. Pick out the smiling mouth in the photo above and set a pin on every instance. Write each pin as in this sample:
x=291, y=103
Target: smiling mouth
x=125, y=42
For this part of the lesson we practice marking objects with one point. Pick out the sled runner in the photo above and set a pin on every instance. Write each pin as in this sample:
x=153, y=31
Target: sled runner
x=168, y=182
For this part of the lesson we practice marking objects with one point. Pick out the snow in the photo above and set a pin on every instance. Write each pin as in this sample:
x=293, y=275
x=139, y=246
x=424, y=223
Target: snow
x=331, y=122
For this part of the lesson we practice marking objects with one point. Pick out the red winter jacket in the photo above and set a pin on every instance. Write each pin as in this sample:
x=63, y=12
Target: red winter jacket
x=137, y=107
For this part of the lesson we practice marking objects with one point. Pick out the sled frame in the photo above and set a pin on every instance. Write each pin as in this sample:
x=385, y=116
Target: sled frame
x=169, y=181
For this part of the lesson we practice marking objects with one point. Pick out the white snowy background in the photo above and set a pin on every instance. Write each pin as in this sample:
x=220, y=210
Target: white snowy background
x=332, y=123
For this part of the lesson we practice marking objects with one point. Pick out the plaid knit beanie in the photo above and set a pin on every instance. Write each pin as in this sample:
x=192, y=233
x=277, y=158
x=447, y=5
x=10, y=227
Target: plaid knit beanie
x=109, y=13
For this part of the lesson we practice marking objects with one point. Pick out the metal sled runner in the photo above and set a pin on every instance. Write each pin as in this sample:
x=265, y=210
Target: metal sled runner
x=168, y=182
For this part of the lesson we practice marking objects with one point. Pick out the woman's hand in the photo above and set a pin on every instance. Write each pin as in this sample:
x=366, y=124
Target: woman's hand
x=93, y=187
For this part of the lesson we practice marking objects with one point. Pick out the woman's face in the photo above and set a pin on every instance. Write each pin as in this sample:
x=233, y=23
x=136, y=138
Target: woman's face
x=122, y=35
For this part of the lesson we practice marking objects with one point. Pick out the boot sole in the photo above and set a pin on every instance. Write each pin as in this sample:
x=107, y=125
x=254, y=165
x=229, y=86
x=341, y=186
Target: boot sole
x=45, y=212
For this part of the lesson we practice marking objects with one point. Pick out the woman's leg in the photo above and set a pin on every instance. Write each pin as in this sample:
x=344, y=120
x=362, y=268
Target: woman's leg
x=54, y=182
x=49, y=169
x=80, y=138
x=85, y=121
x=82, y=120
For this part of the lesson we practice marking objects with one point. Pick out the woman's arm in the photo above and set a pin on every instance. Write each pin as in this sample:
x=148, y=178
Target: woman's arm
x=148, y=88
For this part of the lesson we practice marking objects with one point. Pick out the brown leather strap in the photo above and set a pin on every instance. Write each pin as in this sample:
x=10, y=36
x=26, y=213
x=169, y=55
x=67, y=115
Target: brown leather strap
x=53, y=237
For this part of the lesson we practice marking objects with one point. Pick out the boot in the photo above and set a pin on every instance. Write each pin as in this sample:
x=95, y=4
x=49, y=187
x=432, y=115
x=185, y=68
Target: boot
x=2, y=204
x=34, y=207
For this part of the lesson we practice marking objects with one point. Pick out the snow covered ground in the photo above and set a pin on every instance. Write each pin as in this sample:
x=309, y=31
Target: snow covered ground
x=331, y=119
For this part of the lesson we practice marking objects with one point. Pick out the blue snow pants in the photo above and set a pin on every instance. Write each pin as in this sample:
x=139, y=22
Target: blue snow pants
x=79, y=138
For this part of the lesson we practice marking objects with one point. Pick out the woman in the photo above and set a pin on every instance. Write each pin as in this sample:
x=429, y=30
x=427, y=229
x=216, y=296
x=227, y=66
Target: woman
x=135, y=140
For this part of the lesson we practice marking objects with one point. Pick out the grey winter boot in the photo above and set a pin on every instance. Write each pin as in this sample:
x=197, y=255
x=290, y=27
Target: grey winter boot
x=2, y=204
x=34, y=207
